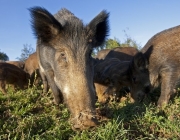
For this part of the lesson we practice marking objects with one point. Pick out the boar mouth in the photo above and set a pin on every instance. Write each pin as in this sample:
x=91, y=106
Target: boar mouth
x=84, y=121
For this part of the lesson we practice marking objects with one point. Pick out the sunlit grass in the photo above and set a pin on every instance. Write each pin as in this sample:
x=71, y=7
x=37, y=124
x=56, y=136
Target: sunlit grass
x=28, y=114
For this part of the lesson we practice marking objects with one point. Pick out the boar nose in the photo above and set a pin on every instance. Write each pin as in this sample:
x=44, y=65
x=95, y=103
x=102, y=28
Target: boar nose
x=85, y=124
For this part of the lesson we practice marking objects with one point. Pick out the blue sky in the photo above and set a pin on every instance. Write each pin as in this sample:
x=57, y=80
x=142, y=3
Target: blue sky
x=141, y=19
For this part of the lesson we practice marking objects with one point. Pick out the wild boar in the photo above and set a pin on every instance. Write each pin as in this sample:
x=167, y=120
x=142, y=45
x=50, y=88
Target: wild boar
x=31, y=63
x=11, y=74
x=110, y=75
x=102, y=54
x=64, y=46
x=19, y=64
x=32, y=68
x=122, y=53
x=158, y=64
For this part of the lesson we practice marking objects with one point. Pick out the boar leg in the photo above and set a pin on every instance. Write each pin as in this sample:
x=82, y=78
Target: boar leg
x=45, y=83
x=3, y=86
x=167, y=87
x=56, y=92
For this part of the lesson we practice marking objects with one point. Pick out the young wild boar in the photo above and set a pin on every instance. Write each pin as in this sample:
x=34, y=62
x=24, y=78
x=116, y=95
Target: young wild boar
x=110, y=75
x=11, y=74
x=64, y=46
x=157, y=64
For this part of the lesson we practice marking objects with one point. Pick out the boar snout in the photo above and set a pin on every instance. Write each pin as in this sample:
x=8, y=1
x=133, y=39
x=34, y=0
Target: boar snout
x=138, y=96
x=84, y=121
x=138, y=92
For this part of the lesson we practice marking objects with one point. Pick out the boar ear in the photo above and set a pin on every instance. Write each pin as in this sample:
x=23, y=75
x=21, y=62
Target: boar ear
x=98, y=29
x=140, y=62
x=44, y=25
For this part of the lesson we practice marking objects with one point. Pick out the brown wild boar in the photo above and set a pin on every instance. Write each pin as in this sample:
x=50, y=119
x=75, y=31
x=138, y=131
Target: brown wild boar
x=110, y=75
x=19, y=64
x=158, y=64
x=31, y=63
x=64, y=46
x=122, y=53
x=11, y=74
x=102, y=54
x=32, y=68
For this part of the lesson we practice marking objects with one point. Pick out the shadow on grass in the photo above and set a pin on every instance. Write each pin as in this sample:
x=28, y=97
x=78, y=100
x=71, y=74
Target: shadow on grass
x=130, y=114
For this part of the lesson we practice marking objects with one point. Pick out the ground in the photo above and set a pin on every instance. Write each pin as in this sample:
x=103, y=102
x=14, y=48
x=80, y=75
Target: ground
x=28, y=114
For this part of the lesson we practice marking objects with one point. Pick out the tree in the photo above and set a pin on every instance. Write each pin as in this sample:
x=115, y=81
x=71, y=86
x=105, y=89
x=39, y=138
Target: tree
x=3, y=56
x=25, y=52
x=112, y=43
x=109, y=44
x=130, y=42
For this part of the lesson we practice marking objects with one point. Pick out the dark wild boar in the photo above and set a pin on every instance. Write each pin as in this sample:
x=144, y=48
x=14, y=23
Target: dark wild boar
x=121, y=53
x=11, y=74
x=158, y=64
x=19, y=64
x=110, y=75
x=64, y=46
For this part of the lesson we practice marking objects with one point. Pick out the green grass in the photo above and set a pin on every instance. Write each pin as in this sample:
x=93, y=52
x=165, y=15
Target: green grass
x=30, y=115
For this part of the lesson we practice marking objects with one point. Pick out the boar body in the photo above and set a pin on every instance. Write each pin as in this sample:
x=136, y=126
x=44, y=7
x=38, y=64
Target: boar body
x=121, y=53
x=19, y=64
x=32, y=68
x=157, y=64
x=10, y=74
x=110, y=76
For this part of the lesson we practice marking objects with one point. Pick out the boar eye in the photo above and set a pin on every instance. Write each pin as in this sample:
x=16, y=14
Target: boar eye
x=63, y=56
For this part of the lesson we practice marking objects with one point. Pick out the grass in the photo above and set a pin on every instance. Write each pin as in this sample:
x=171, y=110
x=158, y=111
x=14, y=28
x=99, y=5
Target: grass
x=30, y=115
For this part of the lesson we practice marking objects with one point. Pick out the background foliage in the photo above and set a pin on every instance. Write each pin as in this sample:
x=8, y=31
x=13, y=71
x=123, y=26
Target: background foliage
x=3, y=56
x=113, y=43
x=25, y=52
